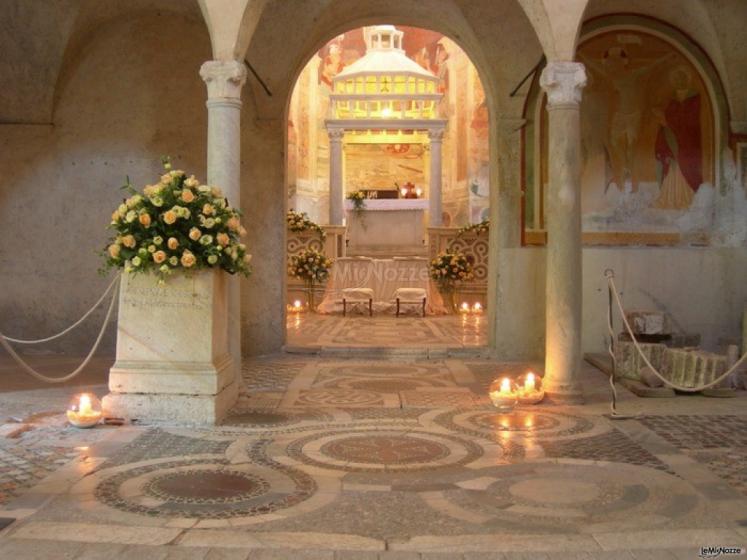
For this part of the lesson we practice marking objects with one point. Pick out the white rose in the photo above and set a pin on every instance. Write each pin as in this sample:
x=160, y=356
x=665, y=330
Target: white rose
x=130, y=216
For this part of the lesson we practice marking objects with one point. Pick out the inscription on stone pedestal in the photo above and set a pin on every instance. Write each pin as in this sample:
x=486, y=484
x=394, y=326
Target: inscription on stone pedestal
x=164, y=297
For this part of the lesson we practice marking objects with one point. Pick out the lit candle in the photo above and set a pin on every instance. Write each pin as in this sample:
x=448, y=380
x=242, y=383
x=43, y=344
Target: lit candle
x=419, y=192
x=505, y=386
x=529, y=383
x=465, y=307
x=477, y=308
x=403, y=191
x=82, y=413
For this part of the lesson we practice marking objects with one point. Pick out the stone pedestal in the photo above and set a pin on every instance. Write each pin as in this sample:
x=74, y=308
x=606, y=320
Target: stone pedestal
x=173, y=362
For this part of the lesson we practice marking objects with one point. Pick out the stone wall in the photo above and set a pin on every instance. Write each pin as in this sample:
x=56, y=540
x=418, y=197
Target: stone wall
x=132, y=94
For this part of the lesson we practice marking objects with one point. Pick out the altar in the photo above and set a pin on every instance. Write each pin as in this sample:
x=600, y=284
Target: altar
x=387, y=227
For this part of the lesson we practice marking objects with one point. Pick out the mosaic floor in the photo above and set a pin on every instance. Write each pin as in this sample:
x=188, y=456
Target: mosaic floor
x=345, y=458
x=436, y=332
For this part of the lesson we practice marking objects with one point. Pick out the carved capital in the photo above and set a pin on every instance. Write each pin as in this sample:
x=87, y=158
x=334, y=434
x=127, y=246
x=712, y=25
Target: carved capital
x=563, y=82
x=336, y=134
x=436, y=134
x=224, y=79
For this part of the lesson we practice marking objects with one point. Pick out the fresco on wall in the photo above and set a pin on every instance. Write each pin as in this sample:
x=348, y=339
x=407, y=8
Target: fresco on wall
x=380, y=166
x=647, y=136
x=465, y=149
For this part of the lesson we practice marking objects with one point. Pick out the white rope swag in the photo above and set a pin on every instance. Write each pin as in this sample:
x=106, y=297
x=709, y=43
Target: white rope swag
x=614, y=294
x=6, y=340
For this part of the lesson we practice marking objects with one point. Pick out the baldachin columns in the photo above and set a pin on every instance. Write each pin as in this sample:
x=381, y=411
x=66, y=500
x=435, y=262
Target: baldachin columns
x=435, y=206
x=563, y=83
x=336, y=208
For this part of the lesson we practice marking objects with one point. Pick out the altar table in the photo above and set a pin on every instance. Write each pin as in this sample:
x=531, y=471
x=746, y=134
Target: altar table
x=387, y=227
x=383, y=276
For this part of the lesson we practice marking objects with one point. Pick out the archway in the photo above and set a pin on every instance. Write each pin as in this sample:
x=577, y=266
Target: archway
x=371, y=114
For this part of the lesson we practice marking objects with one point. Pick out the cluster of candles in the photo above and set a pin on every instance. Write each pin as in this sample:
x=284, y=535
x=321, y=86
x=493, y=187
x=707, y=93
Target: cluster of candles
x=465, y=308
x=296, y=307
x=505, y=393
x=84, y=411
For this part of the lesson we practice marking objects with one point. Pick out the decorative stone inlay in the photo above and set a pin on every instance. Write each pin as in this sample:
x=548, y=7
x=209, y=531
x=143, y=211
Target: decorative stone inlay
x=519, y=421
x=399, y=450
x=539, y=497
x=200, y=489
x=206, y=487
x=487, y=422
x=372, y=450
x=338, y=397
x=383, y=385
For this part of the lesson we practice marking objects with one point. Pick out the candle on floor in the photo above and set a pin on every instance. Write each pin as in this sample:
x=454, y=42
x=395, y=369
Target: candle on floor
x=84, y=410
x=464, y=308
x=477, y=308
x=502, y=394
x=530, y=388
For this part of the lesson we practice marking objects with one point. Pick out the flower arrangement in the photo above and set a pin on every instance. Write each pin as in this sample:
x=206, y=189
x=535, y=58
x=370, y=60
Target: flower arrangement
x=299, y=221
x=448, y=269
x=482, y=227
x=359, y=200
x=312, y=267
x=176, y=225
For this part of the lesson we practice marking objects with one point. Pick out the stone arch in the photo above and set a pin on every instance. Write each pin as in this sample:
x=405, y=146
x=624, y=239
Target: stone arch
x=268, y=111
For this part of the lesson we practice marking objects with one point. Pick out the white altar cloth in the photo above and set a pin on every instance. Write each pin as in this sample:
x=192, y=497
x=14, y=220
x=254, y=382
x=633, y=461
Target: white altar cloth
x=383, y=276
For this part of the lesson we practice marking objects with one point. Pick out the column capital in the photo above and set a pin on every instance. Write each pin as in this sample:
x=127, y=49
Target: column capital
x=224, y=79
x=336, y=134
x=436, y=134
x=563, y=82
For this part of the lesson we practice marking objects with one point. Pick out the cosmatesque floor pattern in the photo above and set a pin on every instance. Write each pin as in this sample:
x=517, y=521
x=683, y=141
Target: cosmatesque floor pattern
x=357, y=458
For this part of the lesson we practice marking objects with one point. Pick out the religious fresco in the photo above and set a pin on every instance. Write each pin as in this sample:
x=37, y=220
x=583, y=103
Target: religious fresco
x=380, y=166
x=647, y=136
x=465, y=182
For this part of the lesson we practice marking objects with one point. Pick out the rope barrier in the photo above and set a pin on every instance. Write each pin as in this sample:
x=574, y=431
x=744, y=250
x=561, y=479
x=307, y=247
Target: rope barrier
x=614, y=296
x=4, y=342
x=71, y=327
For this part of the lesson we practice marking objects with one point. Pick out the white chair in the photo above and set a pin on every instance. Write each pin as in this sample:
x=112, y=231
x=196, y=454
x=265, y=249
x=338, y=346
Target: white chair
x=410, y=296
x=357, y=295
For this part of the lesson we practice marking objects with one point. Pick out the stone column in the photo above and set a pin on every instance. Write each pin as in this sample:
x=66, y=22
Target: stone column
x=434, y=188
x=563, y=82
x=224, y=81
x=509, y=172
x=336, y=208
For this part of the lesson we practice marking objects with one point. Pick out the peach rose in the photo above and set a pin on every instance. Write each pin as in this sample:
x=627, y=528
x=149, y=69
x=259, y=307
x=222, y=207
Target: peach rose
x=115, y=216
x=188, y=196
x=233, y=223
x=169, y=217
x=188, y=259
x=145, y=219
x=172, y=243
x=159, y=257
x=195, y=234
x=223, y=239
x=128, y=241
x=114, y=250
x=208, y=209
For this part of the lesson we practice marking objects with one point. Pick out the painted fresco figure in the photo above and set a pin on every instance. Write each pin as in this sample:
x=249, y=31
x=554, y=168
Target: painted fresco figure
x=678, y=148
x=627, y=115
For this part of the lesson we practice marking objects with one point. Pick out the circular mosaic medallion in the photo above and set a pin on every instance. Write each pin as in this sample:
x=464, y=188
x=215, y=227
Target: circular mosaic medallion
x=519, y=421
x=384, y=385
x=205, y=490
x=399, y=450
x=374, y=450
x=567, y=495
x=205, y=487
x=487, y=422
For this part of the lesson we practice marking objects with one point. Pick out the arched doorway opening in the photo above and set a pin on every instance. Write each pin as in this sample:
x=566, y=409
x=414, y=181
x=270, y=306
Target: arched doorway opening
x=398, y=117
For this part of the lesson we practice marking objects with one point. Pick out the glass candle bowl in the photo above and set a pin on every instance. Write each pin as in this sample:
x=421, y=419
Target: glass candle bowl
x=503, y=394
x=84, y=410
x=529, y=388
